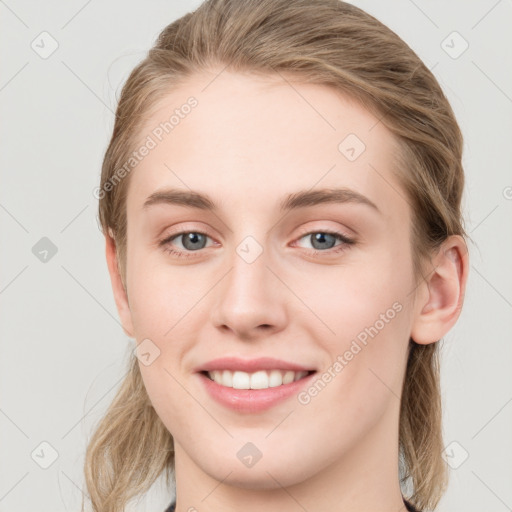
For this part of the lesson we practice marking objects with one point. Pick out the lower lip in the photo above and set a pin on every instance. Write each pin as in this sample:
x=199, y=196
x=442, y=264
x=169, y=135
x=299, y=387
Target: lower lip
x=253, y=400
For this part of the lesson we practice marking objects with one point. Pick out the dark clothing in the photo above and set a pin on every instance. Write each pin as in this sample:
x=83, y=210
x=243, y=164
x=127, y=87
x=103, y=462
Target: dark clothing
x=409, y=507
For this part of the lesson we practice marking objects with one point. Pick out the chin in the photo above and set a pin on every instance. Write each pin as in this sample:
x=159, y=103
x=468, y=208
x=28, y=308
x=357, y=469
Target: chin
x=245, y=479
x=263, y=475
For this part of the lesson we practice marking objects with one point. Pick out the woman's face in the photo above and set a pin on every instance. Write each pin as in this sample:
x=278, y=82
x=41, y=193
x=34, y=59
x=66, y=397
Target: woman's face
x=273, y=264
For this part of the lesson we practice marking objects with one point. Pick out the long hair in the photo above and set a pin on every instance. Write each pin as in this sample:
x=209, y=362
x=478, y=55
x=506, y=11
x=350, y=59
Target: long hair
x=327, y=42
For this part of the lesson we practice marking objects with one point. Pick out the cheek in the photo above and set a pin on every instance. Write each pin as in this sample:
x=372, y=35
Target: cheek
x=157, y=295
x=174, y=405
x=366, y=361
x=356, y=297
x=369, y=315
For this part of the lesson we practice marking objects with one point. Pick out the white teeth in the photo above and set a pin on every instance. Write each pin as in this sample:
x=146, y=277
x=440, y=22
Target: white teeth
x=276, y=379
x=241, y=380
x=288, y=377
x=261, y=379
x=227, y=378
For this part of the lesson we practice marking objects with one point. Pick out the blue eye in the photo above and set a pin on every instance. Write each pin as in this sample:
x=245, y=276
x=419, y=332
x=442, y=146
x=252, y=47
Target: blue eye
x=191, y=241
x=324, y=241
x=194, y=241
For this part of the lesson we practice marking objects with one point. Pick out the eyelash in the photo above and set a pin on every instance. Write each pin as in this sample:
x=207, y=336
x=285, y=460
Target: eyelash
x=187, y=254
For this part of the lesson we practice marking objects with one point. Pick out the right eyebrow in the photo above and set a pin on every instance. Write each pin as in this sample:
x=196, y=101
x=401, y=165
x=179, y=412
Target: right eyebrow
x=180, y=197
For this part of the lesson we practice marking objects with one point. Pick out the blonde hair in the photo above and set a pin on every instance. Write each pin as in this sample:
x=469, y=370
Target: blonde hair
x=325, y=42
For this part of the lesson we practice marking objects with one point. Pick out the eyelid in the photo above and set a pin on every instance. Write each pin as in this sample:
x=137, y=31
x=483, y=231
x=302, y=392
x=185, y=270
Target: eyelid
x=171, y=236
x=333, y=231
x=343, y=237
x=180, y=229
x=303, y=231
x=323, y=229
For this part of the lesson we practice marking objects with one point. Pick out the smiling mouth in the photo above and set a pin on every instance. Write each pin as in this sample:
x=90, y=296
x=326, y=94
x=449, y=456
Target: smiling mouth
x=261, y=379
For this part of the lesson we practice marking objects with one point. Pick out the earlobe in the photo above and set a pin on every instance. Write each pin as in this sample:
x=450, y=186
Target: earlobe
x=120, y=295
x=442, y=294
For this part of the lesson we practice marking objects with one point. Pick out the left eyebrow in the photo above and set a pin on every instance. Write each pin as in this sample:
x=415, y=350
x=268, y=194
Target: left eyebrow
x=306, y=198
x=300, y=199
x=180, y=197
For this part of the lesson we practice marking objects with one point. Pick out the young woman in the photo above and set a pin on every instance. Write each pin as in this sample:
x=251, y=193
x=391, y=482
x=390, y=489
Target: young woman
x=280, y=200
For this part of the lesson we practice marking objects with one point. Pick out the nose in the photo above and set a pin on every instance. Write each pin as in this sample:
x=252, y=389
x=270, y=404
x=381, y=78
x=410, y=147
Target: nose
x=250, y=300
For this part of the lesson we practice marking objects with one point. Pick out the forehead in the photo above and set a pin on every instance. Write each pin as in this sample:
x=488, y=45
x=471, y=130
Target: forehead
x=262, y=137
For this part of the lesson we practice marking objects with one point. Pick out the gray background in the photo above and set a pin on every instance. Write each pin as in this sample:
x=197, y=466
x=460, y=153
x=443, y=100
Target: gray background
x=62, y=349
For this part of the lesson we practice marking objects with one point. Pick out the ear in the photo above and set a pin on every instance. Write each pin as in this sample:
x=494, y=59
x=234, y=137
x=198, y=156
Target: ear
x=440, y=297
x=120, y=294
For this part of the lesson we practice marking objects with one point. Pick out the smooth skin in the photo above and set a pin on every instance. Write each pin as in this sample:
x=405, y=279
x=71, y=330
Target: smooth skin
x=249, y=143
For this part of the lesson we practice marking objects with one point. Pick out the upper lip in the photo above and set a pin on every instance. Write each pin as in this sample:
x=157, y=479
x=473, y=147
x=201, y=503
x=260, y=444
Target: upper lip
x=250, y=365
